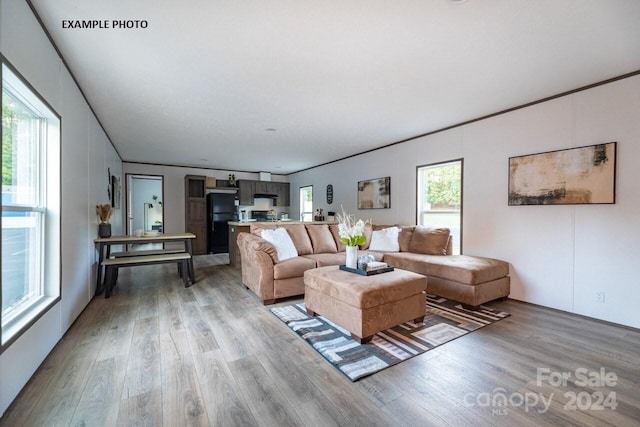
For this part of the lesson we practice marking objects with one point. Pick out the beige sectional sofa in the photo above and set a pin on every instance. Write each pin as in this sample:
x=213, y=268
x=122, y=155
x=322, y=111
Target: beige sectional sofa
x=470, y=280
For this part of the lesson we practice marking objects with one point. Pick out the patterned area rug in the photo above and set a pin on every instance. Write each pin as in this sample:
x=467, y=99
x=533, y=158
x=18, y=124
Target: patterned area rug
x=445, y=320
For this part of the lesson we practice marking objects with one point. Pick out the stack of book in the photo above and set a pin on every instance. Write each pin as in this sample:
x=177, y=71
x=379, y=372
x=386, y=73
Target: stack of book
x=376, y=265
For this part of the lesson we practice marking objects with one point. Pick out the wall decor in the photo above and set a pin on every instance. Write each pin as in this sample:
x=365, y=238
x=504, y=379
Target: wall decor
x=115, y=192
x=582, y=175
x=374, y=193
x=109, y=183
x=329, y=194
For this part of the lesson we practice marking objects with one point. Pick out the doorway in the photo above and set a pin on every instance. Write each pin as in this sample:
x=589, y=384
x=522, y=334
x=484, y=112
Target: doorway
x=145, y=207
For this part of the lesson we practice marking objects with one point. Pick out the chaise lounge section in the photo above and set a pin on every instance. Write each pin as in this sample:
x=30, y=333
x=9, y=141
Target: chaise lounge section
x=471, y=280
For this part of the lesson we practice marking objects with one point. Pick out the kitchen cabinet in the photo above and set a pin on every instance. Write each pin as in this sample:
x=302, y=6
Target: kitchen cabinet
x=260, y=187
x=195, y=211
x=246, y=190
x=234, y=251
x=284, y=197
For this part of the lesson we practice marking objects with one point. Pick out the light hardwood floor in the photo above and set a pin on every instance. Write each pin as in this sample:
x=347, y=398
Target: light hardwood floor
x=158, y=354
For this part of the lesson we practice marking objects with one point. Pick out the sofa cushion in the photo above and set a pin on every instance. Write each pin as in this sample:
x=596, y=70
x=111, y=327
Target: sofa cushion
x=469, y=270
x=385, y=240
x=321, y=239
x=328, y=259
x=368, y=231
x=429, y=240
x=300, y=238
x=404, y=239
x=281, y=240
x=293, y=267
x=336, y=237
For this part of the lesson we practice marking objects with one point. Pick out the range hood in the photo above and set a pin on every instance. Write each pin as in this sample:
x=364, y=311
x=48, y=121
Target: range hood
x=264, y=196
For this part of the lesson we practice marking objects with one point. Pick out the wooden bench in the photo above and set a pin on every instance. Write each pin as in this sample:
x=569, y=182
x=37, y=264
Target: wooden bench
x=146, y=252
x=112, y=265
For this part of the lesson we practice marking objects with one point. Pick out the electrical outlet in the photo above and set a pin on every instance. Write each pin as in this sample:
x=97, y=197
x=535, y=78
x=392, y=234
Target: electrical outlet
x=600, y=297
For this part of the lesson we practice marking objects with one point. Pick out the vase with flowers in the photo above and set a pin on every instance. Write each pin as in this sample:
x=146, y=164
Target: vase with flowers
x=104, y=212
x=351, y=232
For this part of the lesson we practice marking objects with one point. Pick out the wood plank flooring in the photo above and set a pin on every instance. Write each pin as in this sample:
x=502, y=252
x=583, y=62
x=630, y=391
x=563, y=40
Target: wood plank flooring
x=157, y=354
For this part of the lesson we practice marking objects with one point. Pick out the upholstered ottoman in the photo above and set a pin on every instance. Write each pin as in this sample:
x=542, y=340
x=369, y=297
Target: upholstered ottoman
x=365, y=305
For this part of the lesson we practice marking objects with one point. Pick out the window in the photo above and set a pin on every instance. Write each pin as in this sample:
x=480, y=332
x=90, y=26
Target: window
x=440, y=198
x=306, y=203
x=30, y=207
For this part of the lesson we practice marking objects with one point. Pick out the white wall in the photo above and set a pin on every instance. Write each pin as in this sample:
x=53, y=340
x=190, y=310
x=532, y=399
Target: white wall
x=560, y=256
x=86, y=157
x=174, y=189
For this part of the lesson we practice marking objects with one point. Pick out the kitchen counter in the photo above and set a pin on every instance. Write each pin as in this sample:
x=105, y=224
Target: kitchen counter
x=239, y=223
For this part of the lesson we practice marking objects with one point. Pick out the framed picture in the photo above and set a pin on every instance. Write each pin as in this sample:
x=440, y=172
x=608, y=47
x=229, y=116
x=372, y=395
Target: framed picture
x=582, y=175
x=115, y=192
x=374, y=193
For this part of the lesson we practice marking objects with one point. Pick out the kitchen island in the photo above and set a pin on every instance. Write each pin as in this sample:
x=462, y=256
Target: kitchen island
x=236, y=227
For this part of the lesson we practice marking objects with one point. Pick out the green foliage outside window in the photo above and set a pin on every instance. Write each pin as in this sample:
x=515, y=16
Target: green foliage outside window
x=8, y=119
x=443, y=187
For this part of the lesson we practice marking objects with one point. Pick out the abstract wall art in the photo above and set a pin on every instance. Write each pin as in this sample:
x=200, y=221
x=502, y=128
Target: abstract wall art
x=582, y=175
x=374, y=193
x=115, y=192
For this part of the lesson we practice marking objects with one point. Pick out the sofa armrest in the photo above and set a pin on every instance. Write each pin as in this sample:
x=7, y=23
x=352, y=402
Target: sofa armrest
x=257, y=264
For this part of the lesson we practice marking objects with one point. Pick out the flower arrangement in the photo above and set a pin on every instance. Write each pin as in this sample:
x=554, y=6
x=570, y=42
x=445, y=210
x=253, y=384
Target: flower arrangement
x=104, y=212
x=351, y=232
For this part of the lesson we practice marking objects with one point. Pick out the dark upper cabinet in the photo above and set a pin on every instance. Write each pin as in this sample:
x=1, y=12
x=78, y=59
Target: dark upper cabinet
x=246, y=190
x=264, y=187
x=286, y=194
x=284, y=198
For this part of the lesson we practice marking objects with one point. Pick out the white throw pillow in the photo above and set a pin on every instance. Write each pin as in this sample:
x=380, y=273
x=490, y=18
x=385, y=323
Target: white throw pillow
x=385, y=240
x=281, y=240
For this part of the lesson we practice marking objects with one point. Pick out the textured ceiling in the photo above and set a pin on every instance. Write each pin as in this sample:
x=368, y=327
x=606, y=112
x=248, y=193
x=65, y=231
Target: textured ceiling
x=280, y=86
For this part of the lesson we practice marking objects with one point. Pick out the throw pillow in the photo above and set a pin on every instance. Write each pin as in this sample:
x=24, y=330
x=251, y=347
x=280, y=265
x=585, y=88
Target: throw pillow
x=404, y=239
x=385, y=240
x=429, y=240
x=321, y=239
x=281, y=240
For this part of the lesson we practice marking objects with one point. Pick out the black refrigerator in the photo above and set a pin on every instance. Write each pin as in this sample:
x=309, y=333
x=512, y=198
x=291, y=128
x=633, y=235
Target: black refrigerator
x=221, y=208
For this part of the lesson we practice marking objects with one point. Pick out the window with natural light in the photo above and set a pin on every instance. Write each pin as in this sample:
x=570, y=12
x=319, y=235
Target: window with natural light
x=306, y=203
x=30, y=206
x=440, y=198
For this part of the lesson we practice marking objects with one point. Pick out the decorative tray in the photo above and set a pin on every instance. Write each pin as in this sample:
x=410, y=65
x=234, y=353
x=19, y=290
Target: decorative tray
x=366, y=273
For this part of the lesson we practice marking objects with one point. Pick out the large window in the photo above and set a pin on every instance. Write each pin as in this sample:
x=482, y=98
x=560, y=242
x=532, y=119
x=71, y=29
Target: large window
x=30, y=206
x=306, y=203
x=440, y=198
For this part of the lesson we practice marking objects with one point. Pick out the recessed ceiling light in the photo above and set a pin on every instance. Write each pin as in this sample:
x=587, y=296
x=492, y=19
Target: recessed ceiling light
x=270, y=130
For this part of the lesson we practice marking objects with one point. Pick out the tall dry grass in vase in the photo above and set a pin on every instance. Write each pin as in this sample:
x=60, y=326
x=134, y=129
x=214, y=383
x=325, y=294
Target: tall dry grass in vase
x=104, y=212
